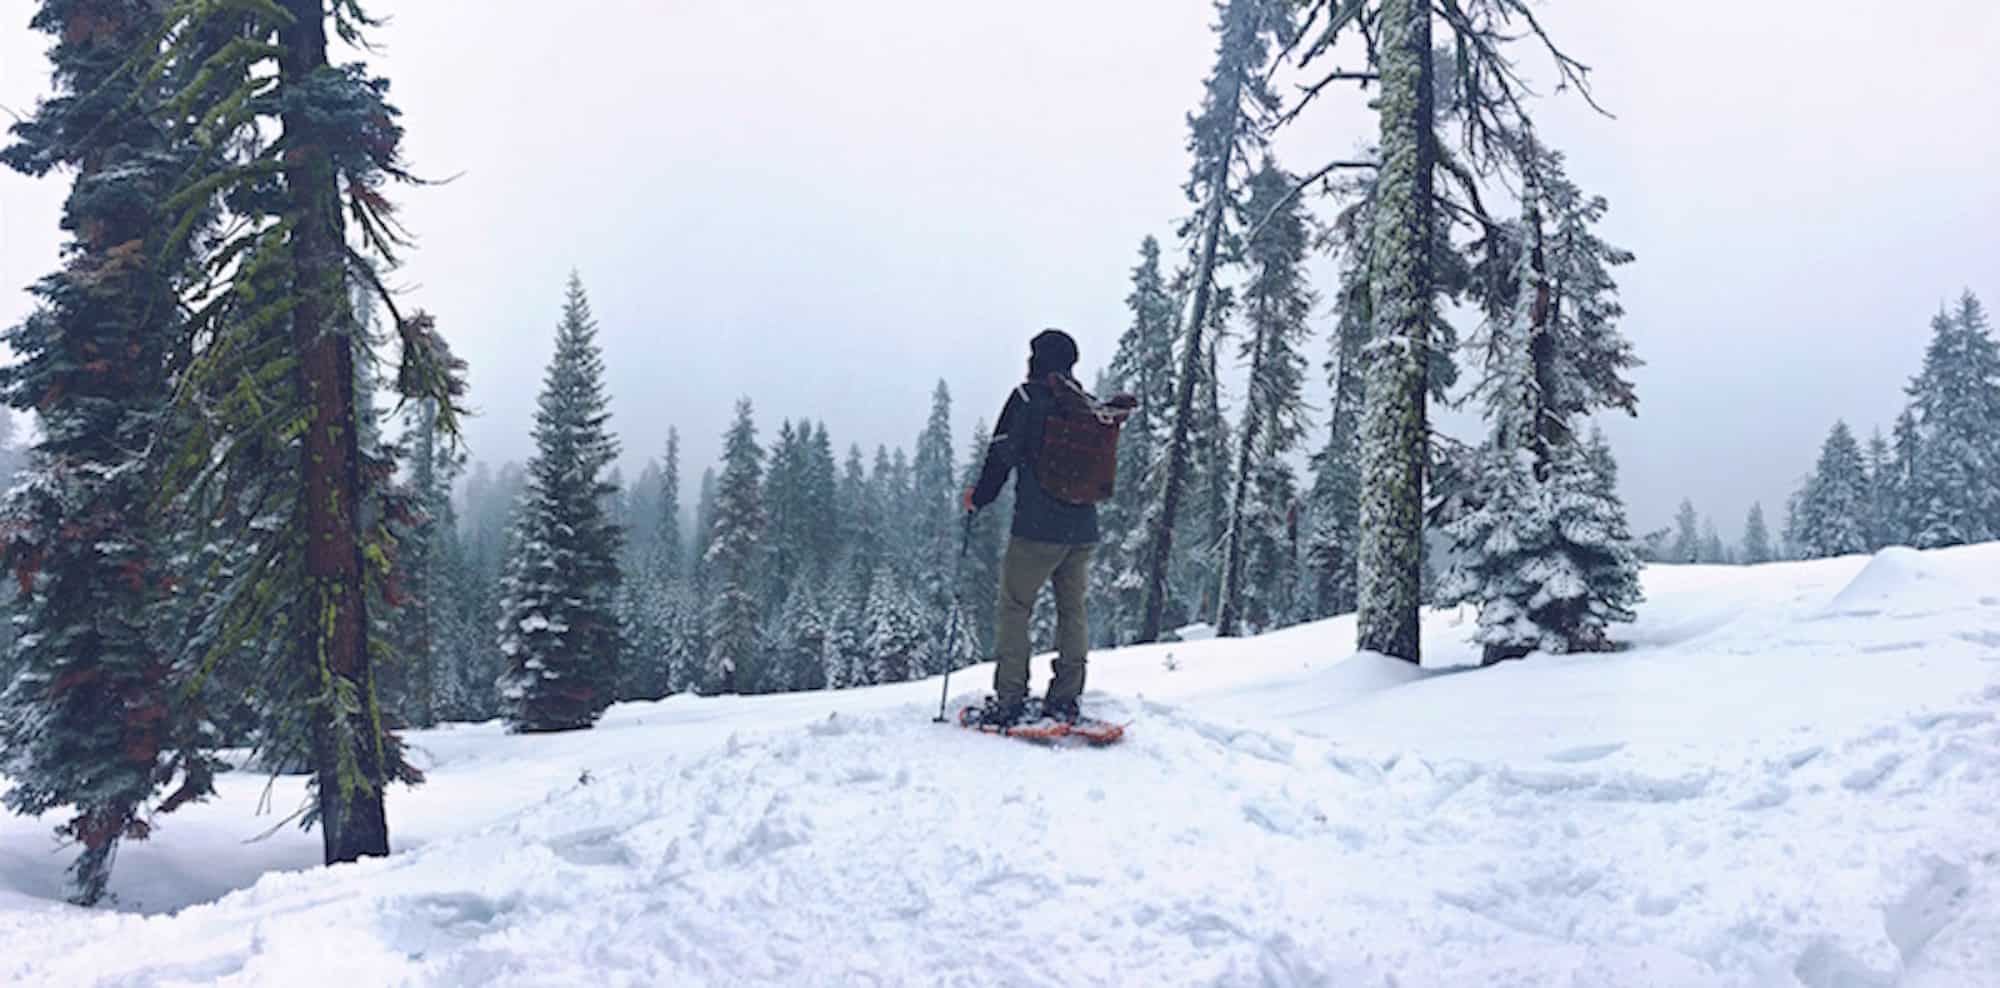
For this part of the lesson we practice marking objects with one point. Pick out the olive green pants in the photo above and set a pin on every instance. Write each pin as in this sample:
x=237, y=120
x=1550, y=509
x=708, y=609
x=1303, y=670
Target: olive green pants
x=1027, y=566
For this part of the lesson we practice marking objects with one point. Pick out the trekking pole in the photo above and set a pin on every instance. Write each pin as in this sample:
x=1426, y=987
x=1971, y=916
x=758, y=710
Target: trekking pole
x=956, y=622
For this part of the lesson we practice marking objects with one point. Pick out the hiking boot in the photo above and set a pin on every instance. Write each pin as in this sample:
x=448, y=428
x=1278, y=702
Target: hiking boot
x=1065, y=711
x=998, y=713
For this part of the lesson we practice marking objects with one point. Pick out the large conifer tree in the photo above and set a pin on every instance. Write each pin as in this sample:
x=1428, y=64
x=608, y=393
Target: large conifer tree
x=1334, y=505
x=1541, y=544
x=1955, y=492
x=1757, y=537
x=1411, y=258
x=100, y=716
x=1276, y=305
x=1144, y=367
x=272, y=462
x=559, y=621
x=935, y=508
x=1833, y=508
x=1233, y=123
x=735, y=555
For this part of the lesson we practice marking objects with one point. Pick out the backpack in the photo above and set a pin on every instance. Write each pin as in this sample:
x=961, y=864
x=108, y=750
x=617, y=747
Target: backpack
x=1078, y=461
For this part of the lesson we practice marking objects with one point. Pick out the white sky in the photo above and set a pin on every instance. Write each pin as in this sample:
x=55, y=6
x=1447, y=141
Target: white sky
x=829, y=206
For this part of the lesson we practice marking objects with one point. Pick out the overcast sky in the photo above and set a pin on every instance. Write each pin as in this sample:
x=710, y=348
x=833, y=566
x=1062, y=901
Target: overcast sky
x=828, y=207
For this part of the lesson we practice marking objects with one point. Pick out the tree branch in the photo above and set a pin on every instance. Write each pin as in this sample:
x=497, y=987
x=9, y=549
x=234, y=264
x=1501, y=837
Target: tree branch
x=1304, y=184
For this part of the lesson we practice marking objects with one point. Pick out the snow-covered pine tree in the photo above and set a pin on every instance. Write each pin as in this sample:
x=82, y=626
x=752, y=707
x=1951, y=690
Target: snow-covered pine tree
x=1877, y=459
x=1757, y=537
x=669, y=548
x=425, y=611
x=796, y=643
x=559, y=621
x=820, y=482
x=1412, y=257
x=1687, y=535
x=1900, y=513
x=1789, y=535
x=99, y=718
x=641, y=520
x=786, y=527
x=735, y=554
x=1833, y=509
x=856, y=510
x=843, y=661
x=1276, y=305
x=704, y=528
x=304, y=148
x=1955, y=495
x=643, y=672
x=977, y=596
x=1541, y=542
x=934, y=512
x=1713, y=551
x=897, y=640
x=1144, y=367
x=1236, y=114
x=1334, y=504
x=685, y=629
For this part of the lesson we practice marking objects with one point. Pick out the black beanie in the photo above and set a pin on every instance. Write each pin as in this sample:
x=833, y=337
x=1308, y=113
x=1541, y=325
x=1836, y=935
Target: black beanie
x=1052, y=351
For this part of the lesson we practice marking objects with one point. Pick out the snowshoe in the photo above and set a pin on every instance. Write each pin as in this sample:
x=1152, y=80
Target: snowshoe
x=1032, y=723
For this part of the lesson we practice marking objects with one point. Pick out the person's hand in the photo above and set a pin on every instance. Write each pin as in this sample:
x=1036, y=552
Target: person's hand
x=967, y=501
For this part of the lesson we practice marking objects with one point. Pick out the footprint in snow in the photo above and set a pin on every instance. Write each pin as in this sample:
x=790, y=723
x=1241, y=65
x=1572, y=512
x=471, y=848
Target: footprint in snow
x=1587, y=753
x=1864, y=779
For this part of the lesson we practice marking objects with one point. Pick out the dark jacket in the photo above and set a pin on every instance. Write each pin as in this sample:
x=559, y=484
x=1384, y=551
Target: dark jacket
x=1016, y=442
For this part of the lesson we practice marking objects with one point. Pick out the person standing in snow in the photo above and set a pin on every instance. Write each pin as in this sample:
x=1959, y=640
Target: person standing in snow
x=1052, y=538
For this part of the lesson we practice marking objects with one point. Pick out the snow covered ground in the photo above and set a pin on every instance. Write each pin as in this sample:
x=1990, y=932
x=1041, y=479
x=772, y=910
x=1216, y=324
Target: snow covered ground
x=1793, y=778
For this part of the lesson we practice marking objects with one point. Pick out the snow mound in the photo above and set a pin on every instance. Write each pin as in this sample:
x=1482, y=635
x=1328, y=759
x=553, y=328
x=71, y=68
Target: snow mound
x=1897, y=581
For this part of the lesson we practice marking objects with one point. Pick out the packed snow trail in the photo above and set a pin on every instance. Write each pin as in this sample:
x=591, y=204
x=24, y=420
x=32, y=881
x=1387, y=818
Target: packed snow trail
x=1790, y=782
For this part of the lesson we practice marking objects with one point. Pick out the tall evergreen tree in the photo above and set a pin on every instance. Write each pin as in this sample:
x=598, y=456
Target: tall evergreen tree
x=1878, y=461
x=1334, y=506
x=704, y=525
x=1955, y=493
x=99, y=718
x=273, y=458
x=859, y=517
x=935, y=508
x=1412, y=256
x=1757, y=537
x=787, y=527
x=735, y=553
x=820, y=483
x=1236, y=113
x=1277, y=303
x=1833, y=509
x=1394, y=427
x=1900, y=513
x=1687, y=535
x=897, y=644
x=978, y=603
x=559, y=622
x=1543, y=545
x=671, y=548
x=426, y=615
x=1143, y=366
x=1713, y=552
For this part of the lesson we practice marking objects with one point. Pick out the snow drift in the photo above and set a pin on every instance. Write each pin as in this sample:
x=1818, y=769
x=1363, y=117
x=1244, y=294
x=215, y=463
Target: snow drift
x=1790, y=779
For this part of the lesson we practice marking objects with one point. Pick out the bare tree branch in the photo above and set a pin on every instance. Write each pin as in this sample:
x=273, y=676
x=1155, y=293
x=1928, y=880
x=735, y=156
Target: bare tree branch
x=1303, y=185
x=1312, y=92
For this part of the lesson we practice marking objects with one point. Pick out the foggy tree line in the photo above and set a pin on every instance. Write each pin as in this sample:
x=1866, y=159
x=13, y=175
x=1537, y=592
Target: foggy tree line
x=1933, y=482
